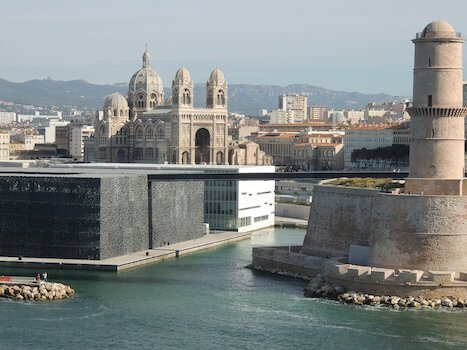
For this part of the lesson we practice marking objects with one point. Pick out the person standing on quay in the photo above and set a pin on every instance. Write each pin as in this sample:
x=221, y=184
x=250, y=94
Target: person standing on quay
x=44, y=275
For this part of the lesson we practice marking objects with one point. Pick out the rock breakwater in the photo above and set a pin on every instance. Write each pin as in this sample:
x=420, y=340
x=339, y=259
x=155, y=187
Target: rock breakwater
x=319, y=288
x=43, y=291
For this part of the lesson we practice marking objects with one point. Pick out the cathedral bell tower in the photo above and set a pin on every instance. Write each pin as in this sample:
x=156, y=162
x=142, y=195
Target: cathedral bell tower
x=182, y=89
x=216, y=90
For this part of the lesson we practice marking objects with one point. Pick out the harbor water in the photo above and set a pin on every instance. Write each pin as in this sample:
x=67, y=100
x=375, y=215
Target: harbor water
x=209, y=300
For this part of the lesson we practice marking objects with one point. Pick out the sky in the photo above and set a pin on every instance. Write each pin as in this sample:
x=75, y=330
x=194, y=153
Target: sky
x=350, y=45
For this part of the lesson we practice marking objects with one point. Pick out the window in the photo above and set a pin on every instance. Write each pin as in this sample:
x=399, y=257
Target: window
x=160, y=133
x=149, y=133
x=256, y=206
x=139, y=133
x=102, y=153
x=261, y=218
x=244, y=221
x=430, y=100
x=149, y=153
x=138, y=153
x=186, y=97
x=220, y=98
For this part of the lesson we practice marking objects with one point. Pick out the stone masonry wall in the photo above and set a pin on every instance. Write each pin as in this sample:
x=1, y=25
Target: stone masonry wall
x=401, y=231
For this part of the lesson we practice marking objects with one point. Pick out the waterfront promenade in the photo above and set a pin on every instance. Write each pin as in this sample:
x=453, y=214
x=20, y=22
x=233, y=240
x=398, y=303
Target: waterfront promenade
x=290, y=222
x=129, y=261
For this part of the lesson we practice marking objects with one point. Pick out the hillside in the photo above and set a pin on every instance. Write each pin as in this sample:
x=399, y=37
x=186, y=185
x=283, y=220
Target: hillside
x=243, y=98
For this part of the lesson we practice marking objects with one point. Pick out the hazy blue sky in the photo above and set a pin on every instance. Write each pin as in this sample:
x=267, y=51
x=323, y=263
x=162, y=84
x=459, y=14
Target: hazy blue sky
x=361, y=45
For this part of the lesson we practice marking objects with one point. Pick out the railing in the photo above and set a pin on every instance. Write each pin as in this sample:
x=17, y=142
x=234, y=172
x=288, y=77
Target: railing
x=442, y=34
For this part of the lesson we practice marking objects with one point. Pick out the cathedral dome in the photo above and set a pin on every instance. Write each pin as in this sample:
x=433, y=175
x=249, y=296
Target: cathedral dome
x=115, y=101
x=183, y=76
x=439, y=29
x=217, y=77
x=146, y=78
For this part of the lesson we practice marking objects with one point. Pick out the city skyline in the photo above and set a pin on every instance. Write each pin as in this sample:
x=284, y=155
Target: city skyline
x=335, y=45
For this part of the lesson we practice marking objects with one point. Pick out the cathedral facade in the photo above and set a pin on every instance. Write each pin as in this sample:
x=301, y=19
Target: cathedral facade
x=146, y=127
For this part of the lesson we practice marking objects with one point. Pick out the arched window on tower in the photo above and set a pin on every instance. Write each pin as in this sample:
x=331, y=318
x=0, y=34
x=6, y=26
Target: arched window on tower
x=102, y=135
x=220, y=98
x=186, y=97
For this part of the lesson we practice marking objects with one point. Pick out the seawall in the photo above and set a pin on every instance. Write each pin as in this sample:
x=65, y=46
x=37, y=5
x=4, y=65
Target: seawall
x=399, y=230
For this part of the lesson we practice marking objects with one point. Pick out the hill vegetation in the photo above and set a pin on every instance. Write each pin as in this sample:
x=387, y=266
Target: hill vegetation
x=243, y=98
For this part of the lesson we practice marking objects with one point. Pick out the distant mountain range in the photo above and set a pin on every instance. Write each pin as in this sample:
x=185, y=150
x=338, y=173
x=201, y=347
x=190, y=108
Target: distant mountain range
x=243, y=98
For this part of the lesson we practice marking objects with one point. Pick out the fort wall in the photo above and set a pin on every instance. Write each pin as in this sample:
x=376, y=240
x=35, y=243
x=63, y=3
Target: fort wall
x=400, y=230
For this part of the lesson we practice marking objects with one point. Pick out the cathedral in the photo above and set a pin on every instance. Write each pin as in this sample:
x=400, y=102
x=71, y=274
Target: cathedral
x=146, y=127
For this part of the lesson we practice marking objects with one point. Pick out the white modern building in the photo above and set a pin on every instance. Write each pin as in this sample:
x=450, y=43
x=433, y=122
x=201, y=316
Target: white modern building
x=229, y=205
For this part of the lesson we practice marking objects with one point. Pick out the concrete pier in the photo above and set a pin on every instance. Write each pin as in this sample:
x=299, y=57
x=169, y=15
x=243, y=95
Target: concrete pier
x=129, y=261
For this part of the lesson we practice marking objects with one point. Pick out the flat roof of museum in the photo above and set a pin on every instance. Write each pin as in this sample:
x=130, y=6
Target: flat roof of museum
x=169, y=168
x=154, y=171
x=89, y=172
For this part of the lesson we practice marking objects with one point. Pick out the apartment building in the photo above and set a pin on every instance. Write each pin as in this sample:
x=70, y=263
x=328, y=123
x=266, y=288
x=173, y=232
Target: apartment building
x=4, y=146
x=371, y=136
x=297, y=105
x=30, y=140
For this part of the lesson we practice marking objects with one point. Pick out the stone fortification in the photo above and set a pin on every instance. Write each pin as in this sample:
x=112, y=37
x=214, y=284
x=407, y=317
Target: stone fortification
x=415, y=242
x=400, y=230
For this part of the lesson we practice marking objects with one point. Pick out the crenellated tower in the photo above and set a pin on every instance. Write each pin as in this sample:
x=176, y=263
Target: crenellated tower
x=437, y=115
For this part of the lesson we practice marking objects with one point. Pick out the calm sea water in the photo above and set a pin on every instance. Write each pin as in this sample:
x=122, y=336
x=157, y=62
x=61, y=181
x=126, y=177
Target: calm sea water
x=209, y=300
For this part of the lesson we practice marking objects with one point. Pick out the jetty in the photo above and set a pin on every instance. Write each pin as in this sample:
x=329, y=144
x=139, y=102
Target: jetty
x=27, y=288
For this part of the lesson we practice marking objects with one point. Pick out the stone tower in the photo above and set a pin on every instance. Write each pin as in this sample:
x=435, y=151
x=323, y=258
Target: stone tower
x=216, y=90
x=437, y=115
x=182, y=89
